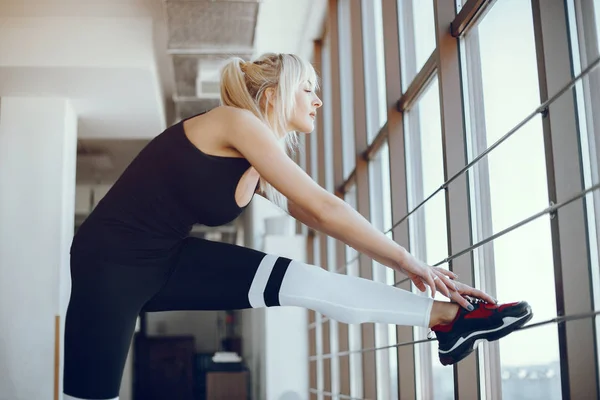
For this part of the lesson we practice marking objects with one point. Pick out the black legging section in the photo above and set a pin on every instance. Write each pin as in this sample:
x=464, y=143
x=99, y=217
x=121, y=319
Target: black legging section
x=106, y=299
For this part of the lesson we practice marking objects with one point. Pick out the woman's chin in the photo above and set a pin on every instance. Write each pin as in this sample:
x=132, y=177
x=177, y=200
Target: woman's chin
x=304, y=128
x=309, y=128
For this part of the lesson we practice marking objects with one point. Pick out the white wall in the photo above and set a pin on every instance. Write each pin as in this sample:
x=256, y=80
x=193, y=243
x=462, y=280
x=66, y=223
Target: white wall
x=37, y=192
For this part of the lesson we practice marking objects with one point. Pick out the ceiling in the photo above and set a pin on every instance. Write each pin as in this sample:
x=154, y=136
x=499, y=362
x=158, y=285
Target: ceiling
x=133, y=67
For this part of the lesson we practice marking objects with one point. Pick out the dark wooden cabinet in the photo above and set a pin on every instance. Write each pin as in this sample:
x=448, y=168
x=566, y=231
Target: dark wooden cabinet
x=227, y=385
x=163, y=368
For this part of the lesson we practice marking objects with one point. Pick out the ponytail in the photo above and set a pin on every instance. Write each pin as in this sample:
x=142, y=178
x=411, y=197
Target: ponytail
x=234, y=91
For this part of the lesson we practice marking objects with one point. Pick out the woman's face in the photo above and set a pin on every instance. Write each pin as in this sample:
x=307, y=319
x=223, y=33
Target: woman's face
x=305, y=112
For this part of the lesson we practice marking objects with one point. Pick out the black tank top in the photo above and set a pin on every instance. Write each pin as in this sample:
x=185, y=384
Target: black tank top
x=170, y=186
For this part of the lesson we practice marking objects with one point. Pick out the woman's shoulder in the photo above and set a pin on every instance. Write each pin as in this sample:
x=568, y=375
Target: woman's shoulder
x=229, y=114
x=219, y=120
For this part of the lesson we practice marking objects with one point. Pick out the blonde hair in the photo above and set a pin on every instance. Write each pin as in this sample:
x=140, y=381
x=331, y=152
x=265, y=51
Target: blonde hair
x=244, y=85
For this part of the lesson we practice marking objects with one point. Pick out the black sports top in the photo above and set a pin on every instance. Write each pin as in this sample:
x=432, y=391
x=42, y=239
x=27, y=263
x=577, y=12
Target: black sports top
x=170, y=186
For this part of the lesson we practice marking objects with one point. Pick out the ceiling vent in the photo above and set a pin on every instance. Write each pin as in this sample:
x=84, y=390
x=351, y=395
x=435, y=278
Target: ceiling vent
x=96, y=159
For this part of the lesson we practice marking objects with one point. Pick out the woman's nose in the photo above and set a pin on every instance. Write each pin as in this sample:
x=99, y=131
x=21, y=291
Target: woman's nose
x=318, y=103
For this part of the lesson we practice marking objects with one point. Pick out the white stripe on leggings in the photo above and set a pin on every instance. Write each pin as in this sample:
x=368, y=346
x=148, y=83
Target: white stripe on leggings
x=256, y=295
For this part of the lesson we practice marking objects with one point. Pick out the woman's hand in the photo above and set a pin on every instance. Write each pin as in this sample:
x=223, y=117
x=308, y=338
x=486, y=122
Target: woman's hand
x=422, y=274
x=463, y=290
x=440, y=279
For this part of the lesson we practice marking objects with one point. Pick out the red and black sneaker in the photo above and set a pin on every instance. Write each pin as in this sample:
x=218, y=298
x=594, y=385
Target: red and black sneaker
x=486, y=322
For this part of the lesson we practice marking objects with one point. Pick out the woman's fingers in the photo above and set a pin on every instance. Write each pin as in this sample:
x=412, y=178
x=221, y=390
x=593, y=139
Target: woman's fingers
x=478, y=294
x=448, y=279
x=449, y=284
x=418, y=281
x=442, y=285
x=446, y=272
x=445, y=285
x=431, y=282
x=456, y=297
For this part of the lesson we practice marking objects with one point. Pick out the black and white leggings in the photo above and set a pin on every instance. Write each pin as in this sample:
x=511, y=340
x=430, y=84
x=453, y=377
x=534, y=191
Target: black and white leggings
x=106, y=299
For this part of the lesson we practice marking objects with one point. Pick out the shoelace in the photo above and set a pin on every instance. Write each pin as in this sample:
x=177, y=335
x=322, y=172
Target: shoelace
x=475, y=301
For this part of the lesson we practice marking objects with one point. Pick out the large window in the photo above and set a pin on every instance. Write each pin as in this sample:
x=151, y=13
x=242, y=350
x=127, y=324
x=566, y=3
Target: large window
x=511, y=185
x=428, y=231
x=465, y=98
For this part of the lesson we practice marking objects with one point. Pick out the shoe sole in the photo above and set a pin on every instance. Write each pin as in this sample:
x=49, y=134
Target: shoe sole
x=469, y=345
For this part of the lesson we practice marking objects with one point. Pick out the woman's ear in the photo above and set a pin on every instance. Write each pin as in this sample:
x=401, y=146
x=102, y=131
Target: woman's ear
x=270, y=95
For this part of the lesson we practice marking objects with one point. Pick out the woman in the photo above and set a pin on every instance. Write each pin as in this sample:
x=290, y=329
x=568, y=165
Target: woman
x=133, y=253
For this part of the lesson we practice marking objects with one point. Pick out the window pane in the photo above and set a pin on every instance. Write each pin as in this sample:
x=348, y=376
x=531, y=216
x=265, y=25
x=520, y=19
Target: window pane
x=504, y=89
x=319, y=329
x=585, y=36
x=314, y=157
x=597, y=18
x=427, y=226
x=354, y=331
x=333, y=325
x=417, y=36
x=381, y=218
x=374, y=67
x=535, y=382
x=327, y=116
x=332, y=262
x=345, y=34
x=379, y=46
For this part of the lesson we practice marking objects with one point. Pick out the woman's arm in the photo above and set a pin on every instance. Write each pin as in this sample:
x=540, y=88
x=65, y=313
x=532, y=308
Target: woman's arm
x=297, y=212
x=303, y=216
x=254, y=140
x=350, y=227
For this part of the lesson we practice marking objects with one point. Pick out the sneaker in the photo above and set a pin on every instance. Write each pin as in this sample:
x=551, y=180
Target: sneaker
x=486, y=322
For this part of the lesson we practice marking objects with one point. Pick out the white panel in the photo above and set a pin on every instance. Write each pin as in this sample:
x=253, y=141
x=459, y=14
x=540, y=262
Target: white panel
x=37, y=191
x=67, y=219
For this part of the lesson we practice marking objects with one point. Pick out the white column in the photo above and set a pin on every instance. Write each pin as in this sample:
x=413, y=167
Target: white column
x=38, y=140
